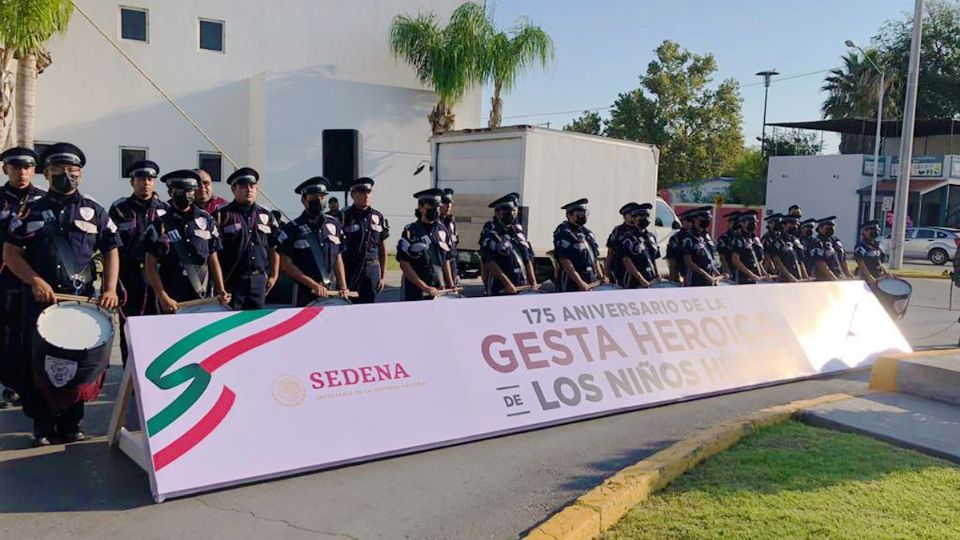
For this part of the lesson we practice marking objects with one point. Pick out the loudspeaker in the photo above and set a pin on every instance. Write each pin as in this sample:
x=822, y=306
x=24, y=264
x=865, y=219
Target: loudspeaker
x=342, y=157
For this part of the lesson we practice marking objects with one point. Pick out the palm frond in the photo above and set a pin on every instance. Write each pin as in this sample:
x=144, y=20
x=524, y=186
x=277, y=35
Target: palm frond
x=25, y=25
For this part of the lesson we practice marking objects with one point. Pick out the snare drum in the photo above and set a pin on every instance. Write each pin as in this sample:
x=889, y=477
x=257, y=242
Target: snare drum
x=449, y=296
x=894, y=294
x=72, y=343
x=665, y=284
x=329, y=302
x=726, y=283
x=208, y=305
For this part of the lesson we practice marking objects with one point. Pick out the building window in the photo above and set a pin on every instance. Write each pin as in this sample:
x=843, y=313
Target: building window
x=128, y=156
x=211, y=35
x=133, y=24
x=212, y=163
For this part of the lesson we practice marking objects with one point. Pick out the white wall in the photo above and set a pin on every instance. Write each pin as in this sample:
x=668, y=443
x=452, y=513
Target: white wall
x=91, y=96
x=822, y=185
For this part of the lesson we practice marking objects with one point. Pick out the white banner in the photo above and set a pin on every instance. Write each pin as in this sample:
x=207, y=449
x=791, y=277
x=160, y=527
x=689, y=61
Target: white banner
x=236, y=397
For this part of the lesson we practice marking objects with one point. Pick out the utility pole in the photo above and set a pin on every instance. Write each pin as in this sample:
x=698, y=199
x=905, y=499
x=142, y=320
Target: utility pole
x=767, y=75
x=906, y=142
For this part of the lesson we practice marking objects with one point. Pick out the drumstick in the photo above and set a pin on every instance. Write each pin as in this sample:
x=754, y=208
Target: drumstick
x=520, y=288
x=348, y=294
x=198, y=302
x=74, y=298
x=594, y=285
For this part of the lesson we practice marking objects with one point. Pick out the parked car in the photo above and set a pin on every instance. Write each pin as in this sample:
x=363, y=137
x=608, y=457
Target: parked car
x=932, y=243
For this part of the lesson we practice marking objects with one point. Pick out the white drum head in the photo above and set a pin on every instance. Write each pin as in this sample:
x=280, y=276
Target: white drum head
x=75, y=326
x=327, y=302
x=895, y=286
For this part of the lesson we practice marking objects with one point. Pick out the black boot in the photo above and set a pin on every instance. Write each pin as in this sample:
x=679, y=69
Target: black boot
x=42, y=433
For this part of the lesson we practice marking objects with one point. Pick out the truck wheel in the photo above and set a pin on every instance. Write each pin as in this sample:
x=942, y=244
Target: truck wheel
x=938, y=256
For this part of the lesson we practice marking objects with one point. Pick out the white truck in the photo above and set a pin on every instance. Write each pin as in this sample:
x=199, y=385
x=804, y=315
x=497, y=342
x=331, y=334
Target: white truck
x=548, y=168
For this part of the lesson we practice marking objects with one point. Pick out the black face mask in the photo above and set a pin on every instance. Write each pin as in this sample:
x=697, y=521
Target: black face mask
x=872, y=235
x=643, y=223
x=183, y=199
x=829, y=231
x=507, y=218
x=64, y=183
x=789, y=230
x=751, y=227
x=703, y=224
x=431, y=214
x=315, y=207
x=580, y=221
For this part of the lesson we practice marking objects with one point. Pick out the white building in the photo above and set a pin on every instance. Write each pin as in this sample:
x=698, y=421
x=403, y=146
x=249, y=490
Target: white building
x=263, y=79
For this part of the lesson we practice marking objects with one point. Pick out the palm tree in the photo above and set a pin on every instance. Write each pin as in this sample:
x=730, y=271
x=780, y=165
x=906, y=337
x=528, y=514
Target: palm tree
x=25, y=26
x=447, y=59
x=852, y=93
x=508, y=56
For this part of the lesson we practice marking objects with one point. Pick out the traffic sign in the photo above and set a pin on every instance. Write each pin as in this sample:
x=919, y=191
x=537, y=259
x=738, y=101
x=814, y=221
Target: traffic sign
x=887, y=204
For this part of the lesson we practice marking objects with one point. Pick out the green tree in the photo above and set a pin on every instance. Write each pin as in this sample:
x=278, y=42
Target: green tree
x=750, y=179
x=25, y=27
x=792, y=143
x=589, y=123
x=852, y=93
x=697, y=128
x=507, y=56
x=448, y=59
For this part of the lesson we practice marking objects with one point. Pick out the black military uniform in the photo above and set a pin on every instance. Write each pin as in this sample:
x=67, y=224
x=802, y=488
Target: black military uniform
x=504, y=243
x=59, y=235
x=701, y=249
x=806, y=240
x=868, y=254
x=789, y=249
x=249, y=236
x=674, y=254
x=12, y=201
x=425, y=247
x=575, y=242
x=182, y=241
x=748, y=247
x=365, y=231
x=723, y=242
x=133, y=216
x=450, y=222
x=640, y=246
x=313, y=242
x=338, y=213
x=614, y=255
x=774, y=226
x=822, y=248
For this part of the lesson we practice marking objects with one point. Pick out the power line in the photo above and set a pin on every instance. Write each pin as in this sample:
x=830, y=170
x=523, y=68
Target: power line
x=598, y=109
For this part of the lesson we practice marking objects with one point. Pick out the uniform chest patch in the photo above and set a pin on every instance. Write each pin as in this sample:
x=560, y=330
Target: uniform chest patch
x=161, y=212
x=201, y=222
x=86, y=213
x=264, y=218
x=375, y=219
x=331, y=228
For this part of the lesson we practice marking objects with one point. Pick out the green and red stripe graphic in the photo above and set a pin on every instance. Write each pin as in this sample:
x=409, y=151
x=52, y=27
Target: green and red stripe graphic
x=198, y=376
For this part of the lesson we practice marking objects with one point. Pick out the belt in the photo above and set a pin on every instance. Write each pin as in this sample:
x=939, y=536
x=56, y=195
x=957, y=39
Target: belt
x=371, y=261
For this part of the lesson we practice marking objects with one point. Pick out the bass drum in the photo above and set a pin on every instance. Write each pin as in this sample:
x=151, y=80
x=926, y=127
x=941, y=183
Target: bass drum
x=329, y=302
x=894, y=295
x=210, y=305
x=72, y=343
x=665, y=284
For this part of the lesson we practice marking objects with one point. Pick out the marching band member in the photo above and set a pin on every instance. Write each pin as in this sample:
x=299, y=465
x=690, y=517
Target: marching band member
x=424, y=250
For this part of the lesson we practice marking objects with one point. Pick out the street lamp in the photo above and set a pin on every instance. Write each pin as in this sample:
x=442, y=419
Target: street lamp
x=767, y=75
x=876, y=142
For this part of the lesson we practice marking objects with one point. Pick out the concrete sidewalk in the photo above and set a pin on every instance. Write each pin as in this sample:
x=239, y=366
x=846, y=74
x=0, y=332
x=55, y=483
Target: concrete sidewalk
x=925, y=425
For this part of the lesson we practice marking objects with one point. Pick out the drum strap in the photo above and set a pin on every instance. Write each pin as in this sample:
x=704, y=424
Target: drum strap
x=196, y=274
x=313, y=240
x=65, y=256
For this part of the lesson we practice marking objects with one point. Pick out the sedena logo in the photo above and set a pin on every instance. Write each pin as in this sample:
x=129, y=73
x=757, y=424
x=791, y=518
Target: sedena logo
x=197, y=376
x=288, y=391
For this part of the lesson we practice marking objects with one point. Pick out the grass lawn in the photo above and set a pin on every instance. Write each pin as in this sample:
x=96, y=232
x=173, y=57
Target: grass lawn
x=796, y=481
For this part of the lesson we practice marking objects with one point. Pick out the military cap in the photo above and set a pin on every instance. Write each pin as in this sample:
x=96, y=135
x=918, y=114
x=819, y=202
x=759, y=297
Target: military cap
x=734, y=216
x=702, y=211
x=829, y=220
x=243, y=175
x=776, y=216
x=510, y=200
x=579, y=204
x=809, y=222
x=642, y=210
x=793, y=207
x=63, y=153
x=20, y=156
x=317, y=184
x=872, y=224
x=746, y=216
x=142, y=169
x=363, y=183
x=628, y=208
x=789, y=219
x=432, y=195
x=447, y=196
x=182, y=179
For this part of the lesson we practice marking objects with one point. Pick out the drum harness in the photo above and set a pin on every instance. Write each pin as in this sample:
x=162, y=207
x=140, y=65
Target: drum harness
x=516, y=257
x=79, y=277
x=198, y=282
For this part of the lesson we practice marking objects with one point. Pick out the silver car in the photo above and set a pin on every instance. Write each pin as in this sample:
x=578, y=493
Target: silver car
x=932, y=243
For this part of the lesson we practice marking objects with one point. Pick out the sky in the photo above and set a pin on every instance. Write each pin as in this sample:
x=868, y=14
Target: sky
x=602, y=46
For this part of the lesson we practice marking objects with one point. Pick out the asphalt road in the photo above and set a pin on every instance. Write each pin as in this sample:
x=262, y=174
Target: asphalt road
x=496, y=488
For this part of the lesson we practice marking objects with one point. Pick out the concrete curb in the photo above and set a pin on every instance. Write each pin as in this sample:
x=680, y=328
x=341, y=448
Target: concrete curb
x=600, y=508
x=920, y=275
x=883, y=375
